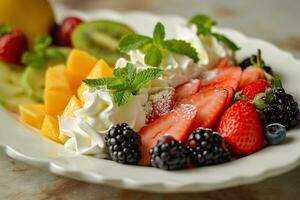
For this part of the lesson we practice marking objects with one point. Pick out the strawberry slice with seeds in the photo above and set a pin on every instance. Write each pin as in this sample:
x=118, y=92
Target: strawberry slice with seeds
x=176, y=123
x=187, y=89
x=251, y=74
x=227, y=77
x=241, y=128
x=160, y=103
x=210, y=105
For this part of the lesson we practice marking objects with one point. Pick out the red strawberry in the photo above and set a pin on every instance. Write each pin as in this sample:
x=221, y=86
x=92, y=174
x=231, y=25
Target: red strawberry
x=210, y=104
x=241, y=128
x=160, y=104
x=251, y=74
x=224, y=63
x=12, y=46
x=187, y=89
x=254, y=88
x=63, y=34
x=176, y=123
x=227, y=77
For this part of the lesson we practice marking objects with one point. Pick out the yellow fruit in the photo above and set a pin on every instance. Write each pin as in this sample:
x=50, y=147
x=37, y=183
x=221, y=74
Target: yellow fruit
x=73, y=105
x=100, y=70
x=33, y=17
x=57, y=90
x=79, y=64
x=50, y=128
x=56, y=78
x=32, y=114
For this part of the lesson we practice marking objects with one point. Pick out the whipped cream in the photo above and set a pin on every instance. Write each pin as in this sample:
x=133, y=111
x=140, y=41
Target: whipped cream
x=83, y=139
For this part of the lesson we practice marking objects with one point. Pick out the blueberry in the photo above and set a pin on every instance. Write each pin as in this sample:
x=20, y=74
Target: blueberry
x=275, y=133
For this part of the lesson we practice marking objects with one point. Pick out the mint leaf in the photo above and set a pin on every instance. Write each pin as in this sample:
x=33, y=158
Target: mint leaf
x=42, y=42
x=98, y=83
x=204, y=24
x=143, y=77
x=153, y=56
x=128, y=72
x=33, y=60
x=226, y=41
x=121, y=97
x=181, y=47
x=54, y=53
x=159, y=33
x=133, y=42
x=4, y=29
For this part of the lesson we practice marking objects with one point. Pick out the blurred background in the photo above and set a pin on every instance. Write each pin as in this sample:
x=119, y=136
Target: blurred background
x=273, y=20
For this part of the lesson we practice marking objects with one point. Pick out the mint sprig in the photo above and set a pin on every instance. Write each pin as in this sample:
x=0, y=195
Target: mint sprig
x=154, y=47
x=204, y=26
x=42, y=53
x=125, y=83
x=4, y=29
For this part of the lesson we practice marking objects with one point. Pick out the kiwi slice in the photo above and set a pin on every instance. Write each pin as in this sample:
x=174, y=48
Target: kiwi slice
x=101, y=38
x=33, y=83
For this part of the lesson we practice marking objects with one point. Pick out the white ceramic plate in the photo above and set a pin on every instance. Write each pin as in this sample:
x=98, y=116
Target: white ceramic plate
x=25, y=144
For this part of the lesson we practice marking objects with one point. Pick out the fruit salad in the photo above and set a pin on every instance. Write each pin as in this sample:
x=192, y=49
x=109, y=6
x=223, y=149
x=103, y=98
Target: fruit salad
x=100, y=89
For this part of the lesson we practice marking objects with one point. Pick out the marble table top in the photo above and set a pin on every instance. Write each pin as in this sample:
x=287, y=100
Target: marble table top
x=273, y=20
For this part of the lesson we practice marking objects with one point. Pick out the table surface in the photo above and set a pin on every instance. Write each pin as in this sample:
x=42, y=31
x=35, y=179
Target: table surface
x=272, y=20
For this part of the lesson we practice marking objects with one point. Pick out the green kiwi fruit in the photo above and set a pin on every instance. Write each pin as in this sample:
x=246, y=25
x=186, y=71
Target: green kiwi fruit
x=101, y=38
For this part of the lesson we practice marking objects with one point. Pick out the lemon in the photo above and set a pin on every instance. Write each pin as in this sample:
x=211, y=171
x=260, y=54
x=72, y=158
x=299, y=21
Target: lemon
x=33, y=17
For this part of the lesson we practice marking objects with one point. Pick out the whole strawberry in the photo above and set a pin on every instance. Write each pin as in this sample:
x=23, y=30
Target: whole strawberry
x=12, y=45
x=254, y=88
x=64, y=31
x=241, y=128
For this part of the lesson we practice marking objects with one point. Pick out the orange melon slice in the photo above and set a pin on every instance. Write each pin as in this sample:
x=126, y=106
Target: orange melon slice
x=32, y=114
x=50, y=128
x=73, y=105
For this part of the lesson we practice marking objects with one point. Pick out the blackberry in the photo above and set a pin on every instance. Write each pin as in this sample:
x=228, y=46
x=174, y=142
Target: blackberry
x=206, y=147
x=283, y=109
x=123, y=144
x=168, y=154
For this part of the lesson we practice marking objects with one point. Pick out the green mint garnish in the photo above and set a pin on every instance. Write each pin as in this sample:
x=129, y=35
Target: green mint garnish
x=125, y=83
x=42, y=53
x=4, y=29
x=204, y=26
x=154, y=46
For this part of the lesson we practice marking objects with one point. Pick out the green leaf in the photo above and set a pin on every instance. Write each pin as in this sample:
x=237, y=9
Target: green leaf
x=121, y=97
x=97, y=83
x=153, y=56
x=54, y=54
x=128, y=73
x=181, y=47
x=143, y=77
x=133, y=42
x=226, y=41
x=42, y=42
x=4, y=29
x=33, y=60
x=159, y=33
x=203, y=23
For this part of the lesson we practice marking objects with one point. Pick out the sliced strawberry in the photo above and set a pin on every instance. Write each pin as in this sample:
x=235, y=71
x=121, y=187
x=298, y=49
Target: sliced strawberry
x=241, y=128
x=176, y=123
x=227, y=77
x=254, y=88
x=251, y=74
x=187, y=89
x=210, y=105
x=160, y=103
x=224, y=63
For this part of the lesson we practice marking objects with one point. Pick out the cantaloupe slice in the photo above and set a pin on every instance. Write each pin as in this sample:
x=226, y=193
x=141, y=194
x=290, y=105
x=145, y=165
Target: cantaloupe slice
x=73, y=105
x=100, y=70
x=79, y=64
x=57, y=90
x=50, y=128
x=32, y=114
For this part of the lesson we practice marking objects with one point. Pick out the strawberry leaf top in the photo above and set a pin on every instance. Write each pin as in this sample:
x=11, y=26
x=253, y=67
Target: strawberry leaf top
x=125, y=83
x=4, y=29
x=154, y=46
